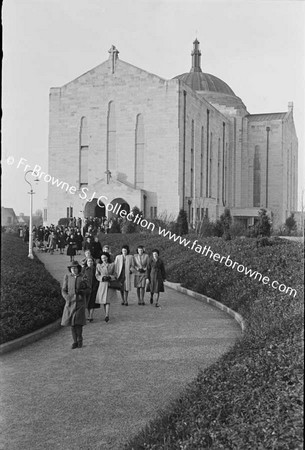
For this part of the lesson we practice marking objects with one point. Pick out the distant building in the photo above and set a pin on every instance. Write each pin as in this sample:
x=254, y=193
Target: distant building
x=23, y=220
x=8, y=217
x=121, y=135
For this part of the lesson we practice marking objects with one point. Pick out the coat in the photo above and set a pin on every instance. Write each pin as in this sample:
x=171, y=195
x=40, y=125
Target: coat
x=104, y=294
x=71, y=250
x=156, y=275
x=140, y=262
x=74, y=292
x=129, y=266
x=93, y=284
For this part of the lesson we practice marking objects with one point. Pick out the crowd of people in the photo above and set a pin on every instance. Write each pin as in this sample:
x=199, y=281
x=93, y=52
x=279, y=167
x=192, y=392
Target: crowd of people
x=72, y=237
x=97, y=281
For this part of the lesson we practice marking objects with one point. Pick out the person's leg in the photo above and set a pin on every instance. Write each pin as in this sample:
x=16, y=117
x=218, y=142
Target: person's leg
x=90, y=318
x=122, y=296
x=106, y=309
x=151, y=298
x=126, y=297
x=142, y=293
x=74, y=337
x=138, y=295
x=157, y=301
x=79, y=334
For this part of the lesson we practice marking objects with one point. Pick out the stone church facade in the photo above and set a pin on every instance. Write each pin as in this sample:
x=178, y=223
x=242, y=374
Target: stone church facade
x=121, y=135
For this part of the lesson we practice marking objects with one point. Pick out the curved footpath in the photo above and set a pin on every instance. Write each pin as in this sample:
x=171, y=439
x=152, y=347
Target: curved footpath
x=97, y=397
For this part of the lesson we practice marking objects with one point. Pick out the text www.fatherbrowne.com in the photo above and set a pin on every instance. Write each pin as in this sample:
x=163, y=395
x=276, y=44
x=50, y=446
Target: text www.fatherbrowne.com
x=206, y=251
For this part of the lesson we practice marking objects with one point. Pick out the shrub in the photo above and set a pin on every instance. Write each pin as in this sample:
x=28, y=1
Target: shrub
x=30, y=297
x=291, y=224
x=182, y=223
x=64, y=221
x=263, y=226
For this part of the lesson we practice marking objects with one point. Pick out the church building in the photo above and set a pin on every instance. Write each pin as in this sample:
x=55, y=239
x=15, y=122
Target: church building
x=119, y=135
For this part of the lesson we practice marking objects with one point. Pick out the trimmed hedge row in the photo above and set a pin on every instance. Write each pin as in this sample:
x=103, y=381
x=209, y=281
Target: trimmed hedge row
x=30, y=297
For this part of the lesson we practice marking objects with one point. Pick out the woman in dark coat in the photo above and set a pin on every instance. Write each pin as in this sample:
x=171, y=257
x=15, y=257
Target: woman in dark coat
x=96, y=249
x=88, y=273
x=71, y=250
x=61, y=242
x=73, y=291
x=155, y=276
x=79, y=242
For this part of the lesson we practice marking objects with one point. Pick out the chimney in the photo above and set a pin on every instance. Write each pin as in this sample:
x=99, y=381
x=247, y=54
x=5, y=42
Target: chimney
x=290, y=107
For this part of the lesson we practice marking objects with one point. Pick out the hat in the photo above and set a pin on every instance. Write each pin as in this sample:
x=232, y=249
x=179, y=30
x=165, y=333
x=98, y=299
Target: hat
x=75, y=264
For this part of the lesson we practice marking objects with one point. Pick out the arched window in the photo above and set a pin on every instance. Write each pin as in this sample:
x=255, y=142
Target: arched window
x=256, y=177
x=139, y=152
x=83, y=152
x=111, y=163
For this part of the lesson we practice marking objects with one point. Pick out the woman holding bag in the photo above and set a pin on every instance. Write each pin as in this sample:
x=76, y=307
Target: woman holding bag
x=105, y=272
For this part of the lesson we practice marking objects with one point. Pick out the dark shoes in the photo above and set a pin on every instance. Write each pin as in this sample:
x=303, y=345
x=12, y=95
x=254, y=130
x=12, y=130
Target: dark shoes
x=151, y=300
x=80, y=344
x=74, y=345
x=106, y=319
x=157, y=306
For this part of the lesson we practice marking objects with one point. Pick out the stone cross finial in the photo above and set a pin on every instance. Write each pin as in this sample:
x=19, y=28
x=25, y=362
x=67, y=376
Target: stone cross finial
x=114, y=54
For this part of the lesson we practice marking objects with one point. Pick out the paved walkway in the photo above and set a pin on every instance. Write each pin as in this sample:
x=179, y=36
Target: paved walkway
x=99, y=396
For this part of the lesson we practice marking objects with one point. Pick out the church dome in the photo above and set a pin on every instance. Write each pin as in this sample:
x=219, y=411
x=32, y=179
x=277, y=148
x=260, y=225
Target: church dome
x=200, y=81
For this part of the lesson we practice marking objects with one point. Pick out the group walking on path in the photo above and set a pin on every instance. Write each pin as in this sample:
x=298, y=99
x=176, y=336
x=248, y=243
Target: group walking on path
x=125, y=371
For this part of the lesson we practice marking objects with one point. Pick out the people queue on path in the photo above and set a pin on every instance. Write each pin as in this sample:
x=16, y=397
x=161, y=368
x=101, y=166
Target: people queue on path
x=95, y=282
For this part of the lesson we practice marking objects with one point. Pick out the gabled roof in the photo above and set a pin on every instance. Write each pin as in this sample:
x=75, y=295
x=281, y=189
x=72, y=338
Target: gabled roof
x=267, y=116
x=9, y=211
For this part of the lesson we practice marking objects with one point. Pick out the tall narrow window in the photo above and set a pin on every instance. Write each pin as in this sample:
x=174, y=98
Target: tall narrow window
x=256, y=177
x=139, y=152
x=201, y=161
x=218, y=172
x=111, y=163
x=192, y=161
x=225, y=178
x=207, y=158
x=84, y=152
x=211, y=167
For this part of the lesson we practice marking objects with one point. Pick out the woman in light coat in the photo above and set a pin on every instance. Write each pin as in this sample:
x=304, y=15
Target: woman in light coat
x=124, y=265
x=105, y=272
x=74, y=290
x=141, y=260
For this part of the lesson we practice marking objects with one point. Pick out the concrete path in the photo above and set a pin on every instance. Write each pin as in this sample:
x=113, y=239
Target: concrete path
x=97, y=397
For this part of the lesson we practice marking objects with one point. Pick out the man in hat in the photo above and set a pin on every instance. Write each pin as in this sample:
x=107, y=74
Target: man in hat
x=74, y=291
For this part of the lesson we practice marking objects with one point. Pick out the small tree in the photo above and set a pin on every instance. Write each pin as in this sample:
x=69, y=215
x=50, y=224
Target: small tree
x=182, y=225
x=290, y=223
x=263, y=225
x=226, y=222
x=128, y=225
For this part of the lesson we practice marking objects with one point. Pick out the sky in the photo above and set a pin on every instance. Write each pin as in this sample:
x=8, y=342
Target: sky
x=257, y=47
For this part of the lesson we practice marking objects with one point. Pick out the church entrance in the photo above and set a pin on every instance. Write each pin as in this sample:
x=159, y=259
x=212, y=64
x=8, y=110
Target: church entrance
x=119, y=204
x=95, y=209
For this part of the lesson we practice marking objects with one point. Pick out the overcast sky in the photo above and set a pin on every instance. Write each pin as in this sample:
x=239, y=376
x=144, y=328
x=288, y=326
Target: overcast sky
x=256, y=47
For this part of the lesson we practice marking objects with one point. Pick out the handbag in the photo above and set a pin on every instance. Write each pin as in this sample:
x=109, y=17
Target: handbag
x=115, y=284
